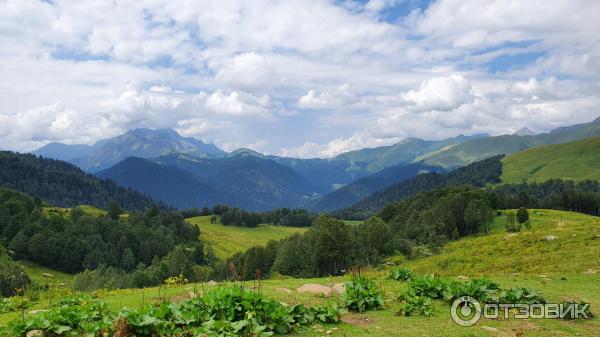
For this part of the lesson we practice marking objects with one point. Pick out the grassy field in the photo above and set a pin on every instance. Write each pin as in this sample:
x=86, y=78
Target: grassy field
x=87, y=209
x=576, y=161
x=45, y=276
x=228, y=240
x=564, y=268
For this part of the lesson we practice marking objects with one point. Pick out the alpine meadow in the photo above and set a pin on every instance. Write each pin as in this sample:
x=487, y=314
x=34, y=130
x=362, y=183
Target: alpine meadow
x=299, y=168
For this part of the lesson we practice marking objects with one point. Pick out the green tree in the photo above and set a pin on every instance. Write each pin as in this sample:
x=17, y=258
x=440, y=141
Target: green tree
x=128, y=260
x=115, y=210
x=478, y=215
x=522, y=215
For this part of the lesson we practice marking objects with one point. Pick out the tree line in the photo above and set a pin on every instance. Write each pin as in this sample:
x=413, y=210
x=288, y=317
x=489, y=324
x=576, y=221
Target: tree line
x=232, y=216
x=413, y=226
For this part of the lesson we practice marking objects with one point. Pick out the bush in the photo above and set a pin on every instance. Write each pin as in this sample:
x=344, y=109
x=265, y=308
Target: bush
x=521, y=295
x=512, y=226
x=413, y=305
x=522, y=215
x=401, y=274
x=13, y=278
x=362, y=294
x=433, y=287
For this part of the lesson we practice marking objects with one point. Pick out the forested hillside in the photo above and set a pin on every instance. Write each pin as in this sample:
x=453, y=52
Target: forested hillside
x=62, y=184
x=138, y=250
x=363, y=187
x=476, y=174
x=169, y=184
x=245, y=181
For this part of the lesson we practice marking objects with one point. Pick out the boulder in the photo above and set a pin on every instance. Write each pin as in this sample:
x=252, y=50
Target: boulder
x=315, y=289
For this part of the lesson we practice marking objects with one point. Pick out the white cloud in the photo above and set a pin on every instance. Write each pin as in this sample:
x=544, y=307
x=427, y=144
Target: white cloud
x=315, y=72
x=249, y=72
x=440, y=93
x=238, y=104
x=341, y=96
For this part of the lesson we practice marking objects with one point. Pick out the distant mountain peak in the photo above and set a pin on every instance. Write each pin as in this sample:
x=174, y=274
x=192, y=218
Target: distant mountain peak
x=245, y=152
x=524, y=131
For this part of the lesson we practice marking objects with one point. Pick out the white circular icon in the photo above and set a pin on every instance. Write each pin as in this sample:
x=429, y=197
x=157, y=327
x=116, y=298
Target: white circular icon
x=465, y=311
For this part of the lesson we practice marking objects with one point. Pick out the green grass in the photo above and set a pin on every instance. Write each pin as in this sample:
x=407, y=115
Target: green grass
x=228, y=240
x=44, y=276
x=87, y=209
x=578, y=160
x=576, y=250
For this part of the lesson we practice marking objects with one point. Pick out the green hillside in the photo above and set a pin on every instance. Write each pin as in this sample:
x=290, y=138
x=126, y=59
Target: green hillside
x=477, y=149
x=228, y=240
x=577, y=160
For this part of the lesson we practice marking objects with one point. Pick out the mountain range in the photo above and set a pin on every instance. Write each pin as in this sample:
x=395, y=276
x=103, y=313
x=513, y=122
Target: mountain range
x=185, y=172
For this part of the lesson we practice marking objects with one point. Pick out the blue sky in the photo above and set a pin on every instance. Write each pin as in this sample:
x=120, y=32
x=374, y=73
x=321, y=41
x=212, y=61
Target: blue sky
x=301, y=77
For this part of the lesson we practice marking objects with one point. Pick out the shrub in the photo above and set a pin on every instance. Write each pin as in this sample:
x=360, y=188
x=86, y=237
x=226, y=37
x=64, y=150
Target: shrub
x=483, y=290
x=522, y=215
x=415, y=305
x=12, y=277
x=401, y=274
x=433, y=287
x=521, y=295
x=362, y=294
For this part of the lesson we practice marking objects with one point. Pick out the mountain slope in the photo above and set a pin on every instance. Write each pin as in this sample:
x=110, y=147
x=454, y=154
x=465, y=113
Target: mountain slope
x=477, y=174
x=476, y=149
x=63, y=151
x=258, y=183
x=577, y=160
x=142, y=143
x=169, y=184
x=329, y=174
x=63, y=184
x=363, y=187
x=403, y=152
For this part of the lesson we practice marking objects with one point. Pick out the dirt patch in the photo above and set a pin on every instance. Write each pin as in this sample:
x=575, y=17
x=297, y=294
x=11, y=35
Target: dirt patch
x=357, y=319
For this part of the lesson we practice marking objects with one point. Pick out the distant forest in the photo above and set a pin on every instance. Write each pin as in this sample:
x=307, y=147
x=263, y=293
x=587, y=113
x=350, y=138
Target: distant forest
x=62, y=184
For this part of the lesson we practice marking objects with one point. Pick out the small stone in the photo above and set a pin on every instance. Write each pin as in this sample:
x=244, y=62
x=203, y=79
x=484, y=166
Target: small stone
x=329, y=332
x=47, y=275
x=35, y=333
x=462, y=278
x=211, y=283
x=573, y=235
x=489, y=328
x=550, y=237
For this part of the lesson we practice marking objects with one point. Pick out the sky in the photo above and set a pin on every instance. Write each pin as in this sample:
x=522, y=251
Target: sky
x=303, y=78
